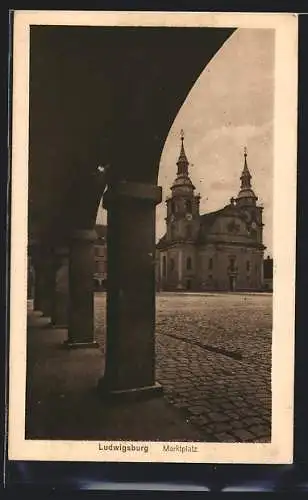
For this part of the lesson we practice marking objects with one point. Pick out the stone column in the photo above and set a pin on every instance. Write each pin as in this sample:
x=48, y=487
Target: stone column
x=81, y=288
x=130, y=353
x=61, y=292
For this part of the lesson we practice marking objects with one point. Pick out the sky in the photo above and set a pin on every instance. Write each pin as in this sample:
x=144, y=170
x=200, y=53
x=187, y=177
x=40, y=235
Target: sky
x=229, y=107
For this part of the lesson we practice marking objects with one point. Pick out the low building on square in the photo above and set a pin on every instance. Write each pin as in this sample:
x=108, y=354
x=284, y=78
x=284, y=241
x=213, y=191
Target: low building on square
x=219, y=251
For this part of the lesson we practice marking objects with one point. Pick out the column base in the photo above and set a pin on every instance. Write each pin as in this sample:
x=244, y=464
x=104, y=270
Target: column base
x=70, y=344
x=59, y=327
x=134, y=394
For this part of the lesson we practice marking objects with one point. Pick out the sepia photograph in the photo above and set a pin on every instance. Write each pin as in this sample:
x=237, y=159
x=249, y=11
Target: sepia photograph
x=153, y=226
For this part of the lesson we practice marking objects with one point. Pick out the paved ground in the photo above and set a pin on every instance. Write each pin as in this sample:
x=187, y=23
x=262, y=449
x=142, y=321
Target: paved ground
x=213, y=358
x=63, y=401
x=214, y=361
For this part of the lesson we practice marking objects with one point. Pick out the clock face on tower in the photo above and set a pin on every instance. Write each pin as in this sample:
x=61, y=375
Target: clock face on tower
x=188, y=216
x=253, y=225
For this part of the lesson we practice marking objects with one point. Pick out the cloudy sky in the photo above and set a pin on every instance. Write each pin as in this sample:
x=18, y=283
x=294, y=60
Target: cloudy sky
x=229, y=107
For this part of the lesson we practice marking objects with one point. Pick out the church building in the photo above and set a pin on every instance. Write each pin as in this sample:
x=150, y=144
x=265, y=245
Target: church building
x=221, y=250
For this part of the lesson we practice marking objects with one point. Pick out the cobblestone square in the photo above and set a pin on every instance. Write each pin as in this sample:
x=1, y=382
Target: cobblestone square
x=213, y=358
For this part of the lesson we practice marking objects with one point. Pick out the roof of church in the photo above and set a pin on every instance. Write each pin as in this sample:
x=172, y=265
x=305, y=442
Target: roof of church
x=234, y=209
x=209, y=218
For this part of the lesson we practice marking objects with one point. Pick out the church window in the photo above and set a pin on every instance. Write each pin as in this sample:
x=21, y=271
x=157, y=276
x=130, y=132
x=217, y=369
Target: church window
x=188, y=206
x=248, y=266
x=211, y=263
x=164, y=266
x=171, y=264
x=232, y=263
x=188, y=263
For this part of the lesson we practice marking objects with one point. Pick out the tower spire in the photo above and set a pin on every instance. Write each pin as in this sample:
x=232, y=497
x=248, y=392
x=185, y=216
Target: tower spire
x=245, y=176
x=246, y=194
x=182, y=162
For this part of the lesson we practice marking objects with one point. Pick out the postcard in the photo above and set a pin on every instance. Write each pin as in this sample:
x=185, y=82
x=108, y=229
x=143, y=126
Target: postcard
x=153, y=236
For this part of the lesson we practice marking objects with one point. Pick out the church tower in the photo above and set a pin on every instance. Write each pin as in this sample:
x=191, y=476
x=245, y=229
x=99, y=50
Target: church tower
x=247, y=202
x=183, y=215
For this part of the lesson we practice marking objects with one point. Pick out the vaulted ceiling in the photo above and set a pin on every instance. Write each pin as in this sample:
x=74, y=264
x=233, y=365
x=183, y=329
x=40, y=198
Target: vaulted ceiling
x=103, y=96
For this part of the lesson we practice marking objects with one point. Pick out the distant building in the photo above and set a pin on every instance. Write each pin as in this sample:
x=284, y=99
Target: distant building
x=268, y=274
x=221, y=250
x=100, y=257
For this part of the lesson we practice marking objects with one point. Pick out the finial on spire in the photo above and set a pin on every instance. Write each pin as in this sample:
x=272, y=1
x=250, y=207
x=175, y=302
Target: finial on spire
x=182, y=134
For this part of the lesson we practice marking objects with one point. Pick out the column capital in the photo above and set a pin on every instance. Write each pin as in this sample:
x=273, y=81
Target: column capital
x=133, y=191
x=83, y=234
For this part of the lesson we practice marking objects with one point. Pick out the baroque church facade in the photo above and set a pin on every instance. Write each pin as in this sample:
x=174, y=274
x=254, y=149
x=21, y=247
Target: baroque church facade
x=216, y=251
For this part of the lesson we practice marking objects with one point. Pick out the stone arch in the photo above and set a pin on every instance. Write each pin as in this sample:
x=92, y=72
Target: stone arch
x=108, y=97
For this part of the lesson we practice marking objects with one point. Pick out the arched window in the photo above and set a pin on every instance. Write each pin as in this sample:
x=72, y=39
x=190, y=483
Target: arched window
x=188, y=206
x=188, y=263
x=171, y=264
x=164, y=266
x=211, y=263
x=248, y=266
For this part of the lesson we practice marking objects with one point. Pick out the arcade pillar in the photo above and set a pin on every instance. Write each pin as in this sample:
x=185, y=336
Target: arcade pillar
x=130, y=354
x=81, y=284
x=61, y=291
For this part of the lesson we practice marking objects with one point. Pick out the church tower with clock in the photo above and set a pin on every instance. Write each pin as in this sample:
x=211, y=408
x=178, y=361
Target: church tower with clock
x=221, y=250
x=246, y=201
x=183, y=204
x=182, y=227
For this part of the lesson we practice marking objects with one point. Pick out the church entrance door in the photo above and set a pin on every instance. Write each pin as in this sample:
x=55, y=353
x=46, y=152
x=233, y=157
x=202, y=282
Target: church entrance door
x=232, y=283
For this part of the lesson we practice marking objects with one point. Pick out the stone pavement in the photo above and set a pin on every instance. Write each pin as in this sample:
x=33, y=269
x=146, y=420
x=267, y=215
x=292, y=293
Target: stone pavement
x=63, y=403
x=213, y=357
